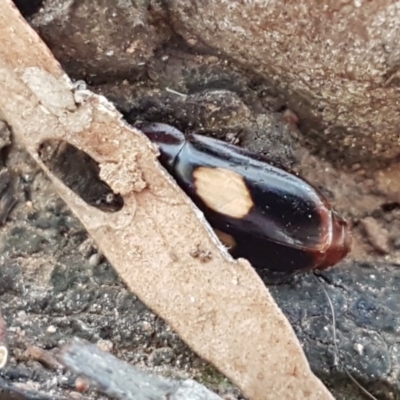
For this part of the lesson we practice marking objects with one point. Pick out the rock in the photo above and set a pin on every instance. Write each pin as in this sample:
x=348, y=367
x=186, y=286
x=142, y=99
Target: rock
x=335, y=66
x=377, y=235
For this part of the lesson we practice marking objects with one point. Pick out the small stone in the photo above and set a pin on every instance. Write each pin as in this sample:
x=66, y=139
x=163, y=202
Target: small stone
x=191, y=41
x=95, y=259
x=81, y=385
x=3, y=356
x=376, y=234
x=359, y=348
x=51, y=329
x=105, y=345
x=21, y=315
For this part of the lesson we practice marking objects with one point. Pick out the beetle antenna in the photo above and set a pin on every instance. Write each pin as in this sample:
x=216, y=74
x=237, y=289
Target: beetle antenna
x=336, y=359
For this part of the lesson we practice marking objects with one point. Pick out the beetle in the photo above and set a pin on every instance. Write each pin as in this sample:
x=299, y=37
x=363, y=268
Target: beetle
x=265, y=213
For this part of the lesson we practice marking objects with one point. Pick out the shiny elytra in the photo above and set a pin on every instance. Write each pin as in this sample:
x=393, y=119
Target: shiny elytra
x=264, y=213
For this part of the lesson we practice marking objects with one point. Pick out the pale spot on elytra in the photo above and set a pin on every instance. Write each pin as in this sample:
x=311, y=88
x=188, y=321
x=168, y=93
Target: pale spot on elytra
x=223, y=191
x=226, y=239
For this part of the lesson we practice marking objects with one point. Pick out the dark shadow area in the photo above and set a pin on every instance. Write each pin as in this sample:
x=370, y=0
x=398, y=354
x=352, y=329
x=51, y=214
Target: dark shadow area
x=80, y=173
x=28, y=7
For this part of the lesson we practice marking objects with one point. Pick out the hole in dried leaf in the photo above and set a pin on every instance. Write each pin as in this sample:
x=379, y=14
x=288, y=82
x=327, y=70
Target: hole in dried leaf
x=28, y=7
x=80, y=172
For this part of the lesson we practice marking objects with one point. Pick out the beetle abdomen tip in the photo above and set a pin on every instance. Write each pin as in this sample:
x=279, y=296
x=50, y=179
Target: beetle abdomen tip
x=340, y=244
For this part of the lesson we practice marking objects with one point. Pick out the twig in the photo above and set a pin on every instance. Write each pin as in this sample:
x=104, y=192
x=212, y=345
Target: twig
x=116, y=378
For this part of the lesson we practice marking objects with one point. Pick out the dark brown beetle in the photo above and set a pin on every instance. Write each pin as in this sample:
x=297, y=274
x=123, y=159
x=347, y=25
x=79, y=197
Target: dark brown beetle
x=266, y=214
